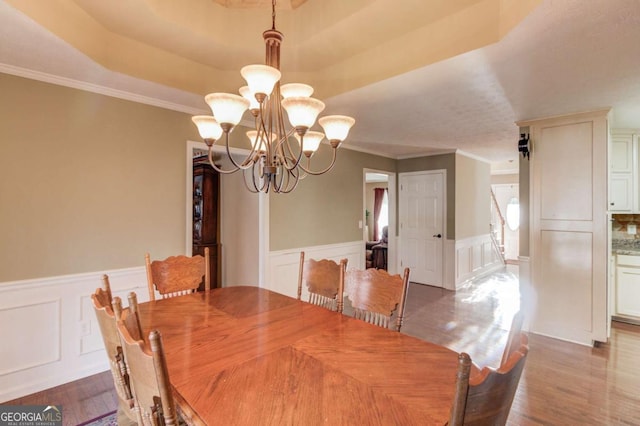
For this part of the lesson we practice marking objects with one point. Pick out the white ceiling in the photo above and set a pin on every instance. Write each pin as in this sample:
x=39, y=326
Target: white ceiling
x=567, y=56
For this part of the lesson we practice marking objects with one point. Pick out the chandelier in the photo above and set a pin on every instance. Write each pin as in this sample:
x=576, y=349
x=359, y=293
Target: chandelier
x=279, y=157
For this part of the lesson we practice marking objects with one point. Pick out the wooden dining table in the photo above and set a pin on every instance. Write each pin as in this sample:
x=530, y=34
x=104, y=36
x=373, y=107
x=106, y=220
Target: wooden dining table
x=250, y=356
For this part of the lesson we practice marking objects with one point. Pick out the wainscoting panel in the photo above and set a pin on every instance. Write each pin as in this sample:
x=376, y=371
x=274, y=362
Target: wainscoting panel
x=49, y=331
x=475, y=257
x=43, y=342
x=284, y=265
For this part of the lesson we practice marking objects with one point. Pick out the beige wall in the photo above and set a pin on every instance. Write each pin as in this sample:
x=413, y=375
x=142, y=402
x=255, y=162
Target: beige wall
x=504, y=179
x=87, y=182
x=437, y=162
x=473, y=202
x=240, y=227
x=324, y=209
x=91, y=183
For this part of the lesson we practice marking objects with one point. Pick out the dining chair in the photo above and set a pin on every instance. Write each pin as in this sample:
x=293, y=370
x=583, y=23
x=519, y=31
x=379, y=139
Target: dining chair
x=177, y=275
x=376, y=295
x=486, y=398
x=105, y=308
x=324, y=279
x=514, y=337
x=148, y=374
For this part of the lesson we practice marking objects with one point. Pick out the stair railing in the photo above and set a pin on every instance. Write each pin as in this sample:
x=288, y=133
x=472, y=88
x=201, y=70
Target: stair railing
x=500, y=245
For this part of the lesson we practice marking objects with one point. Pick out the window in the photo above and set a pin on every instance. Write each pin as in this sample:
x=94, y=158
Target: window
x=513, y=214
x=383, y=219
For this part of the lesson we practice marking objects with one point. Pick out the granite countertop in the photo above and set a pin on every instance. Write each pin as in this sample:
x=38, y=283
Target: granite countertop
x=627, y=252
x=628, y=247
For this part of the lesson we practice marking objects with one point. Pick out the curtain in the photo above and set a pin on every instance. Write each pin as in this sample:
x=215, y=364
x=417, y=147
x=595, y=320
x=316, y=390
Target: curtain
x=378, y=196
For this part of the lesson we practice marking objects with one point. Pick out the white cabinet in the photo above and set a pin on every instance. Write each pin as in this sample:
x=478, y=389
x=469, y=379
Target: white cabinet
x=628, y=286
x=621, y=189
x=623, y=173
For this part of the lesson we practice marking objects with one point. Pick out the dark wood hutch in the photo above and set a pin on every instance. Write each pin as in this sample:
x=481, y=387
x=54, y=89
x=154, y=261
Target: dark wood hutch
x=206, y=216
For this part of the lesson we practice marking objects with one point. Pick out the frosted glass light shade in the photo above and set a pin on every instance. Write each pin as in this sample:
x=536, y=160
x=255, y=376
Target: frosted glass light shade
x=208, y=127
x=302, y=111
x=253, y=134
x=248, y=95
x=227, y=108
x=311, y=141
x=291, y=90
x=260, y=78
x=336, y=127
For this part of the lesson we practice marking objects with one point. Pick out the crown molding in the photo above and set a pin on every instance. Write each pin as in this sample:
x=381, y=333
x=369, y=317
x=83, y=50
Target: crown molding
x=95, y=88
x=426, y=154
x=472, y=156
x=147, y=100
x=363, y=150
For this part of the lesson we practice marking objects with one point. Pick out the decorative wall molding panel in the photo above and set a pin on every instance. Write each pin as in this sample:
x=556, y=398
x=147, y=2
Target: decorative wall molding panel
x=284, y=265
x=50, y=334
x=475, y=256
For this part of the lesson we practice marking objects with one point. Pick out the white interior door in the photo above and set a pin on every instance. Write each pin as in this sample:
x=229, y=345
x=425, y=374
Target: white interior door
x=422, y=225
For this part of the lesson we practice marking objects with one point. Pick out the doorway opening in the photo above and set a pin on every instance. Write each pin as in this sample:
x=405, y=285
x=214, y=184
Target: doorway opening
x=379, y=229
x=243, y=224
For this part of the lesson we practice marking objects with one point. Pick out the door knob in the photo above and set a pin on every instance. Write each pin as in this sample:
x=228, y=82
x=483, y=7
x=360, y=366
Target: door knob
x=438, y=236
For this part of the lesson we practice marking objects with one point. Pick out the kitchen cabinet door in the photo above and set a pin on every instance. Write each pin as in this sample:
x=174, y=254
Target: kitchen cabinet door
x=628, y=291
x=621, y=192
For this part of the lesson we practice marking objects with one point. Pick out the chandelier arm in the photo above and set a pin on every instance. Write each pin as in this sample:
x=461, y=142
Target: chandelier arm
x=333, y=162
x=290, y=156
x=260, y=177
x=244, y=179
x=281, y=184
x=293, y=185
x=246, y=163
x=278, y=179
x=216, y=168
x=261, y=127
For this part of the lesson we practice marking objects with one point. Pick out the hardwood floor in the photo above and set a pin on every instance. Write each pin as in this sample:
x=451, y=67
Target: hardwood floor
x=81, y=400
x=562, y=384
